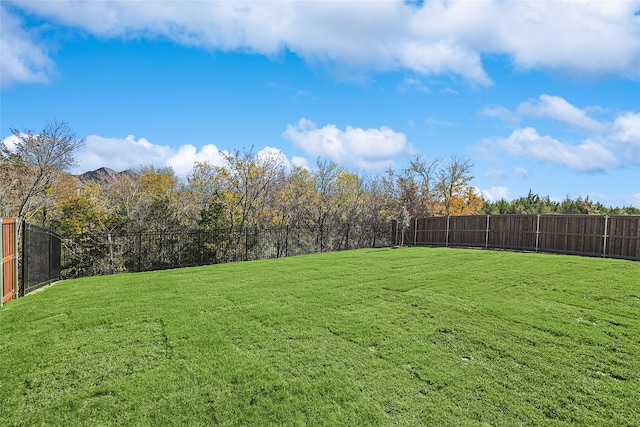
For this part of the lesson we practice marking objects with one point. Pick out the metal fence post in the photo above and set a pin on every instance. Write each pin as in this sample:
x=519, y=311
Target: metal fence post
x=486, y=237
x=396, y=242
x=15, y=256
x=604, y=243
x=537, y=232
x=446, y=242
x=49, y=256
x=25, y=256
x=139, y=251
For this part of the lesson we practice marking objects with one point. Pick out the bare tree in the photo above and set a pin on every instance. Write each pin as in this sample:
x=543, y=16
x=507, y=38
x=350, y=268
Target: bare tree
x=245, y=182
x=325, y=176
x=453, y=179
x=33, y=164
x=405, y=223
x=426, y=171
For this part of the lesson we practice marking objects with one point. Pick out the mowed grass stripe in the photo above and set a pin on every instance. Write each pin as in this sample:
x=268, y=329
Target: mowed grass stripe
x=413, y=336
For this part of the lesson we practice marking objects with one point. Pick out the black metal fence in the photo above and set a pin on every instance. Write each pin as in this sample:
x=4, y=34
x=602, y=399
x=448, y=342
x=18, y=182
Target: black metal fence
x=41, y=258
x=109, y=253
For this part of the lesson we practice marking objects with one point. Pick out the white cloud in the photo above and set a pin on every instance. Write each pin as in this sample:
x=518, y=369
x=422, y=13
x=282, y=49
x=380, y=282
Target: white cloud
x=436, y=122
x=589, y=156
x=497, y=175
x=274, y=156
x=557, y=108
x=523, y=173
x=182, y=161
x=126, y=153
x=442, y=57
x=300, y=162
x=580, y=37
x=120, y=154
x=501, y=113
x=606, y=144
x=412, y=84
x=626, y=136
x=500, y=175
x=439, y=37
x=22, y=59
x=10, y=142
x=366, y=148
x=496, y=193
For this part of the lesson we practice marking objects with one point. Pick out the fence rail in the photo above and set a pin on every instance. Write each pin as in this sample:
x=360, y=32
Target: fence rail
x=8, y=258
x=590, y=235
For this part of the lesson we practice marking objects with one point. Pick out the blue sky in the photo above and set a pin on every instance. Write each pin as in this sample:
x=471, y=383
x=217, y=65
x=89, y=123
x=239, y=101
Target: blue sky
x=538, y=95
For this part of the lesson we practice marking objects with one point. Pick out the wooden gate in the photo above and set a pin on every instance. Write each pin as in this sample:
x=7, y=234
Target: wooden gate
x=9, y=257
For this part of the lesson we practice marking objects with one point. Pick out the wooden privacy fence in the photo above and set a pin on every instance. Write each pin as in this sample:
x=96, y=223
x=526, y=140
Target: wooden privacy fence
x=615, y=236
x=9, y=257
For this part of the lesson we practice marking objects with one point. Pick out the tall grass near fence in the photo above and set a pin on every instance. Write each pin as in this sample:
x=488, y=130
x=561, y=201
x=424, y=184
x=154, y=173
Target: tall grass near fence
x=414, y=336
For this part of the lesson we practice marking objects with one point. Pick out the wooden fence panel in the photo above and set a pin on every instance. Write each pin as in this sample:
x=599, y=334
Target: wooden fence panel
x=9, y=258
x=592, y=235
x=513, y=232
x=623, y=239
x=468, y=231
x=553, y=234
x=431, y=231
x=572, y=234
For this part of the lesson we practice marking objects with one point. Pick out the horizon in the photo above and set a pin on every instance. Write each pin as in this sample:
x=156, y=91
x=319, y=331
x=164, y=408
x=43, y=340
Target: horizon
x=539, y=96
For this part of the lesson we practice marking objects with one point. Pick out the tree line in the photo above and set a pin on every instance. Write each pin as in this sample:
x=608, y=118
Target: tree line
x=535, y=204
x=243, y=190
x=336, y=208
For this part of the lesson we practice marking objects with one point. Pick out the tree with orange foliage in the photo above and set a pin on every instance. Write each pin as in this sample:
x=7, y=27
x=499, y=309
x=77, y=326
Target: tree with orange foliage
x=468, y=203
x=453, y=181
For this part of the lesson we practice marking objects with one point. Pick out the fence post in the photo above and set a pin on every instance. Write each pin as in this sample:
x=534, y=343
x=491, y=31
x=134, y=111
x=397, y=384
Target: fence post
x=1, y=265
x=139, y=251
x=486, y=237
x=396, y=242
x=50, y=238
x=537, y=232
x=604, y=244
x=446, y=241
x=25, y=255
x=15, y=256
x=246, y=245
x=415, y=232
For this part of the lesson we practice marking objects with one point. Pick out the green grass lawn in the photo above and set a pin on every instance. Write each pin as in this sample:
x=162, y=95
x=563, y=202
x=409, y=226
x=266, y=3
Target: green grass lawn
x=413, y=336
